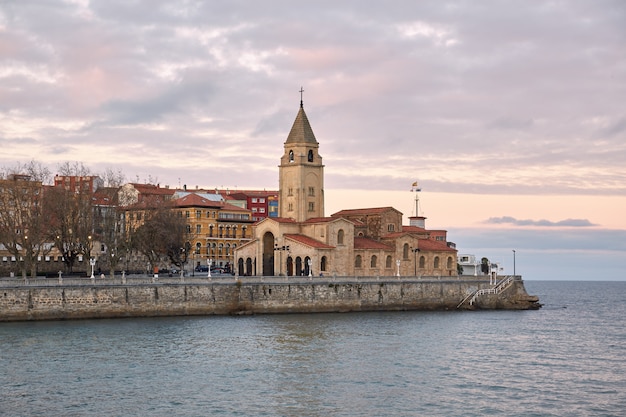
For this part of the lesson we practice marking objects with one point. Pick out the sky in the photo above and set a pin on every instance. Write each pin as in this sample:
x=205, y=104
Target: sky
x=511, y=115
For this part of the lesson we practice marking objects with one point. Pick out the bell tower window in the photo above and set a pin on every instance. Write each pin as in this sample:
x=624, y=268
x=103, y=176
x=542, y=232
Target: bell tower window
x=290, y=156
x=310, y=156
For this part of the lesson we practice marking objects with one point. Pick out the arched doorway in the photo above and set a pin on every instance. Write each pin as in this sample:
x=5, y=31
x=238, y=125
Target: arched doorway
x=249, y=271
x=289, y=266
x=306, y=265
x=298, y=270
x=268, y=254
x=240, y=269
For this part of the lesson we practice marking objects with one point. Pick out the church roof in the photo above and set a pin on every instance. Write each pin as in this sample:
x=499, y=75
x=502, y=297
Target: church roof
x=363, y=211
x=366, y=243
x=308, y=241
x=433, y=245
x=301, y=131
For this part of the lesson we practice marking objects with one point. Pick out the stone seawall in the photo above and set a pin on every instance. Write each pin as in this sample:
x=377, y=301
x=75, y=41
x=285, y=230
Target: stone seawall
x=106, y=300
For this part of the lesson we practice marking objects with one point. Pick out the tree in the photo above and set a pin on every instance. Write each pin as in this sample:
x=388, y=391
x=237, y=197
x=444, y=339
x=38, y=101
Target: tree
x=70, y=222
x=484, y=266
x=159, y=234
x=22, y=223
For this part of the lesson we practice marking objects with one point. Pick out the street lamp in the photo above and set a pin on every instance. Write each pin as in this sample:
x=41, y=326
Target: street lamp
x=398, y=267
x=310, y=262
x=415, y=250
x=92, y=262
x=209, y=262
x=280, y=250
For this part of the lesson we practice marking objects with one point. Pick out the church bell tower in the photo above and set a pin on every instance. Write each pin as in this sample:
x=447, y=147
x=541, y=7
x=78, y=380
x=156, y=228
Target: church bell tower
x=301, y=172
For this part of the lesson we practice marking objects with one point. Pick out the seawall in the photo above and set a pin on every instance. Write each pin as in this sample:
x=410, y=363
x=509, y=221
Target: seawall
x=176, y=297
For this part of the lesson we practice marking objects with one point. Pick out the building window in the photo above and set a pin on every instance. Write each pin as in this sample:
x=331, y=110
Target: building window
x=198, y=248
x=357, y=261
x=310, y=157
x=405, y=251
x=436, y=263
x=210, y=230
x=290, y=156
x=198, y=228
x=323, y=264
x=388, y=262
x=391, y=227
x=311, y=206
x=261, y=209
x=290, y=191
x=311, y=191
x=261, y=200
x=449, y=263
x=243, y=232
x=340, y=234
x=188, y=228
x=290, y=207
x=187, y=213
x=373, y=261
x=422, y=262
x=198, y=214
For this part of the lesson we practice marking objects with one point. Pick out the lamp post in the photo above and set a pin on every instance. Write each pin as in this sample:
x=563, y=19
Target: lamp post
x=514, y=262
x=415, y=250
x=310, y=262
x=209, y=262
x=398, y=267
x=92, y=262
x=280, y=250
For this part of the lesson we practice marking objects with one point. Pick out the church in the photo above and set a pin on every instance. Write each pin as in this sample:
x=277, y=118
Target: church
x=302, y=241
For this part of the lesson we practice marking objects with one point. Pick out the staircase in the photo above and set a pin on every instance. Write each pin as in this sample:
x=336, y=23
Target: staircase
x=501, y=286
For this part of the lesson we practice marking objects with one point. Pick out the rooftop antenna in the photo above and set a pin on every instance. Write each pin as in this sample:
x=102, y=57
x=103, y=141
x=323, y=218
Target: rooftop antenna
x=301, y=102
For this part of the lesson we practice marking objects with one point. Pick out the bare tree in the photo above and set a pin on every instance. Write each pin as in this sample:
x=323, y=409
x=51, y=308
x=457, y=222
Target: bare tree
x=70, y=217
x=22, y=228
x=161, y=235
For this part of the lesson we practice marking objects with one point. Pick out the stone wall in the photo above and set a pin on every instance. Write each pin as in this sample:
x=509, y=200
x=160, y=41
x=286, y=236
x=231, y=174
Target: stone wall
x=212, y=298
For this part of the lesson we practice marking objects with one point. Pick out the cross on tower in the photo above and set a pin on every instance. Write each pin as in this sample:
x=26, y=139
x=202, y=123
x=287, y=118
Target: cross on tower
x=301, y=91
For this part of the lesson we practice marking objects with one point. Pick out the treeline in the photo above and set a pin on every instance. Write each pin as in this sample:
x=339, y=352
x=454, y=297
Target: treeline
x=39, y=220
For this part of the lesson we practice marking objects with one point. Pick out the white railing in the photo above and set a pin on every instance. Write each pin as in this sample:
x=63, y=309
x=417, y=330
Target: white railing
x=501, y=286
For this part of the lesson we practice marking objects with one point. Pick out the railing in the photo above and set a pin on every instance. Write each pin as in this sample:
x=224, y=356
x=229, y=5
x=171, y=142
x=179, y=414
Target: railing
x=202, y=278
x=501, y=286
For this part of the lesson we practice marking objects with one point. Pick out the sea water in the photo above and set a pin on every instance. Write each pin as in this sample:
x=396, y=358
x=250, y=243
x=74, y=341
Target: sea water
x=567, y=359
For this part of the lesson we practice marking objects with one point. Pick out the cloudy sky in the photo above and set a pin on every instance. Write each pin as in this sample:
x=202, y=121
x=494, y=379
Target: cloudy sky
x=510, y=114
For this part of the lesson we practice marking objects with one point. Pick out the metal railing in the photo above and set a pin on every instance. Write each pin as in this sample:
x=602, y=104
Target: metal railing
x=501, y=286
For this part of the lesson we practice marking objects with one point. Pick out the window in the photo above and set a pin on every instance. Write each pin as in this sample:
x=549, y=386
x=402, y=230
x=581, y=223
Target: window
x=357, y=261
x=290, y=191
x=243, y=232
x=373, y=261
x=261, y=200
x=261, y=209
x=449, y=263
x=198, y=228
x=340, y=234
x=188, y=228
x=310, y=157
x=311, y=191
x=254, y=200
x=187, y=213
x=198, y=247
x=405, y=251
x=290, y=156
x=198, y=214
x=422, y=262
x=254, y=209
x=323, y=264
x=436, y=263
x=388, y=262
x=290, y=207
x=311, y=206
x=210, y=230
x=391, y=227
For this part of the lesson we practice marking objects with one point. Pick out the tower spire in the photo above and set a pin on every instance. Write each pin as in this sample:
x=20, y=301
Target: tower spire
x=301, y=91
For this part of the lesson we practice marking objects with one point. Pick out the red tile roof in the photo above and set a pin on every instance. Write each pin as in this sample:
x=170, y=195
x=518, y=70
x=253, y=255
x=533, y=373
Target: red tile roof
x=434, y=245
x=362, y=211
x=366, y=243
x=308, y=241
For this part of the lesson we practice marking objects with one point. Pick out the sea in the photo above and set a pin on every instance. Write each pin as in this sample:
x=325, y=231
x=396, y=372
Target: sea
x=566, y=359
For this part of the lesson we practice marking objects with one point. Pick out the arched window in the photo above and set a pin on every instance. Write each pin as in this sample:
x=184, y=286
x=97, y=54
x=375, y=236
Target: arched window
x=340, y=234
x=373, y=261
x=310, y=157
x=449, y=263
x=357, y=261
x=405, y=251
x=198, y=247
x=210, y=230
x=323, y=264
x=422, y=262
x=290, y=156
x=388, y=262
x=436, y=263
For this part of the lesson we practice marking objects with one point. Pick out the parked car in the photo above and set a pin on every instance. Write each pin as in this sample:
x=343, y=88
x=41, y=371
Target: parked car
x=202, y=268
